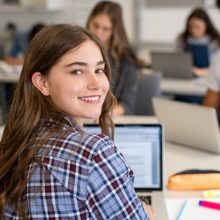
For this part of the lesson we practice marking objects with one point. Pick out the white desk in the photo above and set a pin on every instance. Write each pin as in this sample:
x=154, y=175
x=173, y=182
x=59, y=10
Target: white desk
x=191, y=87
x=194, y=87
x=178, y=158
x=9, y=77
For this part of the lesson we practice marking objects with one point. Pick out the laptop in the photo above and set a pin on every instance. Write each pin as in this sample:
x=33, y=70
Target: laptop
x=142, y=147
x=187, y=124
x=175, y=65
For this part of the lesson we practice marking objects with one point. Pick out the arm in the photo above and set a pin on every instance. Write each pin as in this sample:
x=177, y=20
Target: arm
x=111, y=193
x=200, y=71
x=14, y=60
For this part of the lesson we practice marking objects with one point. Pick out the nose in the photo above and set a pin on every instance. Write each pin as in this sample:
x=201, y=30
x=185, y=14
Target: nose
x=93, y=82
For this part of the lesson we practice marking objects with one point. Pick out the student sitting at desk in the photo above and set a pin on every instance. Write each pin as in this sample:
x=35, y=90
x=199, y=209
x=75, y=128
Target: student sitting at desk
x=20, y=44
x=105, y=21
x=201, y=38
x=49, y=167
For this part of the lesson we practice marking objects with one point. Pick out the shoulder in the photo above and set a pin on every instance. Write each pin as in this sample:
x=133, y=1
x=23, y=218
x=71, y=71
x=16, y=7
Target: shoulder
x=127, y=60
x=77, y=146
x=128, y=65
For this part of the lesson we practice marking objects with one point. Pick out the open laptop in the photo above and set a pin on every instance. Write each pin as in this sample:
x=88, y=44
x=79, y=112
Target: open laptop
x=187, y=124
x=175, y=65
x=142, y=147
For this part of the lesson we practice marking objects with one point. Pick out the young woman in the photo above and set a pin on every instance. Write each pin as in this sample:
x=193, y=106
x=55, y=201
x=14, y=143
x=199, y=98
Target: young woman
x=106, y=22
x=201, y=38
x=49, y=167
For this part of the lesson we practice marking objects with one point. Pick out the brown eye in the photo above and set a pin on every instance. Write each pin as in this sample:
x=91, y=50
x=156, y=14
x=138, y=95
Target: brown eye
x=76, y=72
x=99, y=71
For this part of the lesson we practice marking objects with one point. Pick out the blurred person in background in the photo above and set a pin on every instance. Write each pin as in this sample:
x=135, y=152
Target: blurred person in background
x=201, y=38
x=20, y=44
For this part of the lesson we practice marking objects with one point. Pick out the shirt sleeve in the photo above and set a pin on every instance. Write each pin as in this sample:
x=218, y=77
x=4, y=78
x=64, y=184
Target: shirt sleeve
x=213, y=79
x=111, y=193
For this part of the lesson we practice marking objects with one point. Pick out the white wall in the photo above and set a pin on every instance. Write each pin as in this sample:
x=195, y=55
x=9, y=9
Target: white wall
x=164, y=24
x=73, y=12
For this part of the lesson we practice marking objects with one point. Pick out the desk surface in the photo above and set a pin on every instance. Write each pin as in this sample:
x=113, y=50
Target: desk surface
x=9, y=77
x=194, y=87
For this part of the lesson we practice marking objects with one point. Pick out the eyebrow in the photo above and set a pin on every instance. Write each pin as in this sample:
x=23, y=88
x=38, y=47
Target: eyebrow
x=84, y=64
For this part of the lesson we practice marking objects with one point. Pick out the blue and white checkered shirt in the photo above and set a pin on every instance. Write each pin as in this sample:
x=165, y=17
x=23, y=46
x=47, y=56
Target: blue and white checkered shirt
x=80, y=177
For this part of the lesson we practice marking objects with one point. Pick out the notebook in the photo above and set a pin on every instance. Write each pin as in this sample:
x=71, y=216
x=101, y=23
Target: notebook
x=176, y=65
x=189, y=125
x=142, y=147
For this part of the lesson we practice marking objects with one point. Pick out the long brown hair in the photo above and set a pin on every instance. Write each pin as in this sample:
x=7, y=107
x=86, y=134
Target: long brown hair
x=29, y=107
x=201, y=14
x=119, y=43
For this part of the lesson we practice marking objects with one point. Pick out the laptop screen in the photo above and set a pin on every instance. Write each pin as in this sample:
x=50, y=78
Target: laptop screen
x=141, y=145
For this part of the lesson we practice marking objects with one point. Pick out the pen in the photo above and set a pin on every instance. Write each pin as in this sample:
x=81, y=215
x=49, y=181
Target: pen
x=208, y=204
x=181, y=210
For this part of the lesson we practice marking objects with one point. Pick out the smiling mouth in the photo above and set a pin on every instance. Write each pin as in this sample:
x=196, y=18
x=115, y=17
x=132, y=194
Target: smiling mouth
x=90, y=99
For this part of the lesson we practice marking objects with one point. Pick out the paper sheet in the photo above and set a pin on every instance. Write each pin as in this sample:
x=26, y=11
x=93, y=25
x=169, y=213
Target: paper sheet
x=192, y=210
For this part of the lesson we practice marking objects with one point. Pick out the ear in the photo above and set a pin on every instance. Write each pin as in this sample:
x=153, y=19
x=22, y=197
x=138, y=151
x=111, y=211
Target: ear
x=40, y=83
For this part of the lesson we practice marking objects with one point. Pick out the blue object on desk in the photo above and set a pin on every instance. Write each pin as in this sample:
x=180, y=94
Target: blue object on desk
x=181, y=210
x=200, y=53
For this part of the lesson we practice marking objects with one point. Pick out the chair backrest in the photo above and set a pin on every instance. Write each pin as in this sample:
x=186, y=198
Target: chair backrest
x=149, y=86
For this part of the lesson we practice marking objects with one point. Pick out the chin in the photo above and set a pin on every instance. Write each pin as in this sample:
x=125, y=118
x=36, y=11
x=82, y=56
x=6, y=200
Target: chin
x=97, y=115
x=94, y=116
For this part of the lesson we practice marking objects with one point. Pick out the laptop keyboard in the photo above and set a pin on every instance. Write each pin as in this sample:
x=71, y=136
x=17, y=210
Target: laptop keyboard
x=146, y=199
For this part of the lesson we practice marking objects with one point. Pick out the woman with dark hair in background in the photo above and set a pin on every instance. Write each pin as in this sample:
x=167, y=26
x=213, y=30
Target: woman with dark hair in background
x=201, y=38
x=106, y=22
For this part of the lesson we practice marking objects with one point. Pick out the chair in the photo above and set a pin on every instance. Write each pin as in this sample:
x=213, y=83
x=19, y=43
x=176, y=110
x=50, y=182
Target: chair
x=149, y=86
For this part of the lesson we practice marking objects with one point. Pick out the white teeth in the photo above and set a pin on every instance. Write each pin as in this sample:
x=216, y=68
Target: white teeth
x=94, y=98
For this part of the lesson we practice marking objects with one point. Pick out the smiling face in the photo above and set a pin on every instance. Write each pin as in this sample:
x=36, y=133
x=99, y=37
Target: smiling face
x=77, y=83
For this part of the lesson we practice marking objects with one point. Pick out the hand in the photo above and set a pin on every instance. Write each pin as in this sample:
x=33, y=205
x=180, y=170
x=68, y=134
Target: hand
x=149, y=210
x=200, y=71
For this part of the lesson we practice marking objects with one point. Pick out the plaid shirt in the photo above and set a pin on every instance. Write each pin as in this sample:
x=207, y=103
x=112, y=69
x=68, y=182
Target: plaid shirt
x=80, y=177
